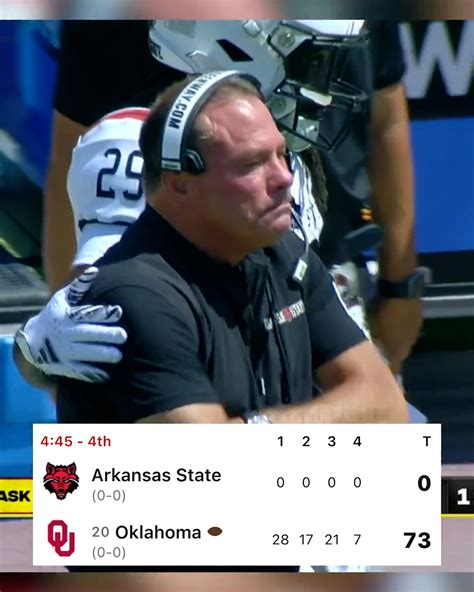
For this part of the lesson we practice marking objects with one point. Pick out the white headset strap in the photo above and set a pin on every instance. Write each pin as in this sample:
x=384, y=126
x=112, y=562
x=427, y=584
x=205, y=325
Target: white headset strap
x=182, y=112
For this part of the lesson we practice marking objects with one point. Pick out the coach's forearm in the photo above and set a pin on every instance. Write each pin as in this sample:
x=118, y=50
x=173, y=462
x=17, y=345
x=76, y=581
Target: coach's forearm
x=355, y=401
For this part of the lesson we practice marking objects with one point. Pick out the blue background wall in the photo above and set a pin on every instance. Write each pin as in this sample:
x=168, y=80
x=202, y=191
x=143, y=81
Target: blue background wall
x=20, y=406
x=28, y=64
x=444, y=165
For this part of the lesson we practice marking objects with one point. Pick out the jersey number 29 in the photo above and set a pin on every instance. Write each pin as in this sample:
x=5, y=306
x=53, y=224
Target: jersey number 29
x=129, y=173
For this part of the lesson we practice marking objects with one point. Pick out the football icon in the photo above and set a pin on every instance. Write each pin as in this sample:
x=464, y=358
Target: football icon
x=215, y=531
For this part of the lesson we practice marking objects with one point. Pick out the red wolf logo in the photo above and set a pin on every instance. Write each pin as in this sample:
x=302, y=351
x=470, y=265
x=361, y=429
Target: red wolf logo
x=61, y=479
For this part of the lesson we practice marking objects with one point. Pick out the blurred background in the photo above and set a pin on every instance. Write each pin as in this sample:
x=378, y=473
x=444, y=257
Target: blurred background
x=238, y=582
x=439, y=376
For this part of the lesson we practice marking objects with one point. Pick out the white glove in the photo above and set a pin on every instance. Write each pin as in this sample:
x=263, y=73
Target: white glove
x=65, y=339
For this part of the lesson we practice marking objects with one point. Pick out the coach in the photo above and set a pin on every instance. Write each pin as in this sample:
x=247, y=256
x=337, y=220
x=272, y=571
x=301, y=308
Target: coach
x=229, y=317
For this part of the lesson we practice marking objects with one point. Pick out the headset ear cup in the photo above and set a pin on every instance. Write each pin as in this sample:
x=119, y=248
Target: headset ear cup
x=194, y=162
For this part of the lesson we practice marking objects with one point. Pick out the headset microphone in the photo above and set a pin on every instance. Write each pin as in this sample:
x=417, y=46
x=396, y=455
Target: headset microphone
x=302, y=263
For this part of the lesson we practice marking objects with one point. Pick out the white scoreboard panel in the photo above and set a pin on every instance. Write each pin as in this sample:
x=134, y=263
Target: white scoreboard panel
x=243, y=495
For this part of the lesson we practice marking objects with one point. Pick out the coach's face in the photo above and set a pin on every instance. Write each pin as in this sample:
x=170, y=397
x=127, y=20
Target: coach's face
x=245, y=191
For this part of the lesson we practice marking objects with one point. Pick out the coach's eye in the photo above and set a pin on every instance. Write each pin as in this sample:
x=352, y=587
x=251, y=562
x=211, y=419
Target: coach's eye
x=252, y=165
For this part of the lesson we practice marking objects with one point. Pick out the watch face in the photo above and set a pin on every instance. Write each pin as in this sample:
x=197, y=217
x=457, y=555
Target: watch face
x=258, y=418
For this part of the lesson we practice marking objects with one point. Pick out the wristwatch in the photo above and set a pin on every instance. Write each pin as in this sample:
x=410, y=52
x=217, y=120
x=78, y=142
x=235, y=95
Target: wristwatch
x=410, y=287
x=255, y=417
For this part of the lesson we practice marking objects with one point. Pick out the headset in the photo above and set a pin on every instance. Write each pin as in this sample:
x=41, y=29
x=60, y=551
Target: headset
x=176, y=155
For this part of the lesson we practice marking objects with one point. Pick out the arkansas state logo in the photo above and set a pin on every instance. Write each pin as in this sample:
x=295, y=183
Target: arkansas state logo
x=61, y=479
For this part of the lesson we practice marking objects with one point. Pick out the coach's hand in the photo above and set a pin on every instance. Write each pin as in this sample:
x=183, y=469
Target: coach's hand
x=394, y=326
x=67, y=339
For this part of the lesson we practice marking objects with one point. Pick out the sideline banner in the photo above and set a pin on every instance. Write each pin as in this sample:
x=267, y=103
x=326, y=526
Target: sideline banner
x=16, y=497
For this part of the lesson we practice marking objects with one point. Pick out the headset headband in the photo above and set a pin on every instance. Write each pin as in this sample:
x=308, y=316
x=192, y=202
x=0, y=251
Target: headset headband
x=181, y=115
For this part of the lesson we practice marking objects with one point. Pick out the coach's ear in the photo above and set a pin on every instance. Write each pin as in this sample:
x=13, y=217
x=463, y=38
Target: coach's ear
x=176, y=183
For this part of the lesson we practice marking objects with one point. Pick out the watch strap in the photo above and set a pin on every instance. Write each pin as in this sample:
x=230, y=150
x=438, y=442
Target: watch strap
x=410, y=287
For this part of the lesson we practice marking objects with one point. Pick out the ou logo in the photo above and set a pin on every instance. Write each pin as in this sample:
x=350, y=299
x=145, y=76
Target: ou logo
x=58, y=536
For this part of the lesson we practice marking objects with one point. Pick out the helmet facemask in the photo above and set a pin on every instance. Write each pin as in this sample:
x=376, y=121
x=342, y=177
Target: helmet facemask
x=314, y=84
x=299, y=63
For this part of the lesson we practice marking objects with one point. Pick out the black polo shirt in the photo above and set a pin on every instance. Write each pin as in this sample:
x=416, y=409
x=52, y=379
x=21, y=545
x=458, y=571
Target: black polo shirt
x=201, y=331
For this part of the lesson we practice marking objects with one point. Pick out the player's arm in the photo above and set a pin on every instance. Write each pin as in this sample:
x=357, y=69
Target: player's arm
x=59, y=244
x=395, y=323
x=56, y=323
x=391, y=173
x=85, y=62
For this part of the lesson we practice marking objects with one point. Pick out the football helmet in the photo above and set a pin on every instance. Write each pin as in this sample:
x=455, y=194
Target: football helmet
x=299, y=63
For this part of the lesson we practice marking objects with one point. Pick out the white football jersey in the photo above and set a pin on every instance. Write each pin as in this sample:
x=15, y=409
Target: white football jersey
x=104, y=182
